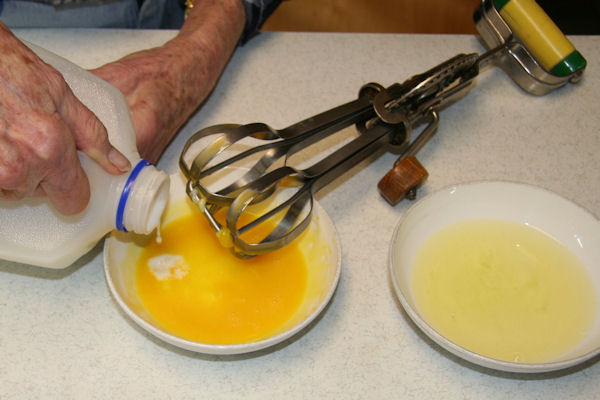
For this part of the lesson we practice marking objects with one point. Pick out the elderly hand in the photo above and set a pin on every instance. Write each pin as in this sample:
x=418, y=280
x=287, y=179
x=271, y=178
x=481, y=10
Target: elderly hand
x=166, y=84
x=159, y=92
x=42, y=125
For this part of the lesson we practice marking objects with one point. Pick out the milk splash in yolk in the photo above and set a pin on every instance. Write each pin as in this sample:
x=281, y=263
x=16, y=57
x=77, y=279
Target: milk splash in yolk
x=199, y=291
x=504, y=290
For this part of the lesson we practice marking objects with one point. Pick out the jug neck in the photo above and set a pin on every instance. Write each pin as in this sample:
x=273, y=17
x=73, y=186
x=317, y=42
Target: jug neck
x=143, y=199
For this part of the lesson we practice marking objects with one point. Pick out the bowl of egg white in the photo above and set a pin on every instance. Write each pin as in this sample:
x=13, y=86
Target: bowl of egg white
x=188, y=290
x=504, y=275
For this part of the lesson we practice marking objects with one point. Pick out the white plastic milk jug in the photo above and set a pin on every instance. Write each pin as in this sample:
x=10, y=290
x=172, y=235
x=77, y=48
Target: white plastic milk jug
x=33, y=232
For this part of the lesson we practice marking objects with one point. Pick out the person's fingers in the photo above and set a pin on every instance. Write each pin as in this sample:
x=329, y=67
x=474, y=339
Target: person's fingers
x=67, y=185
x=11, y=195
x=90, y=135
x=43, y=163
x=13, y=169
x=42, y=127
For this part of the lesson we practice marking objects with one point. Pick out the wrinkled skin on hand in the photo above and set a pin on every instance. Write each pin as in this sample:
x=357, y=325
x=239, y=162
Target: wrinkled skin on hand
x=166, y=84
x=42, y=125
x=158, y=94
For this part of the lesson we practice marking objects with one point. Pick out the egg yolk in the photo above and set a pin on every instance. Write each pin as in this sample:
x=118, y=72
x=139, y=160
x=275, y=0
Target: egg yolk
x=199, y=291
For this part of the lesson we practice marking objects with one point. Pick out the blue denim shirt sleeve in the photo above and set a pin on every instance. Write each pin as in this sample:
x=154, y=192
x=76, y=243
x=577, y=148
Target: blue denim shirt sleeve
x=257, y=12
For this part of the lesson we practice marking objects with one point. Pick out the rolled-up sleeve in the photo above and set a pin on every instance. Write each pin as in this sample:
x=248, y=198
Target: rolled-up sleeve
x=257, y=12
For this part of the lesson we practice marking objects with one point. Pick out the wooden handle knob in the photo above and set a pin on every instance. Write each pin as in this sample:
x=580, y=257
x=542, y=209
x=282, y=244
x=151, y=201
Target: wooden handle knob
x=402, y=180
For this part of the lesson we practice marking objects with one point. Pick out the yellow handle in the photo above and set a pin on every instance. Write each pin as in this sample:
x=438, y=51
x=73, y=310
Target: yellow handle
x=546, y=42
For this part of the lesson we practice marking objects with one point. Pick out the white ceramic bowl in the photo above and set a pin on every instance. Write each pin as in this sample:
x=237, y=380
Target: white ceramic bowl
x=568, y=223
x=320, y=245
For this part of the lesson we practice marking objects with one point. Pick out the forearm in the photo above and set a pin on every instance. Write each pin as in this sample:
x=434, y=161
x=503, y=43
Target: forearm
x=208, y=38
x=214, y=21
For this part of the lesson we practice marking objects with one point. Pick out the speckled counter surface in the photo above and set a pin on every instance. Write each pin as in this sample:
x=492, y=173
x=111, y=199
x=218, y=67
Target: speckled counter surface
x=62, y=335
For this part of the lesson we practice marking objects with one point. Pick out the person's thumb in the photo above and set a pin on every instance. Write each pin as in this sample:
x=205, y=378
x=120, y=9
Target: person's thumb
x=67, y=185
x=91, y=137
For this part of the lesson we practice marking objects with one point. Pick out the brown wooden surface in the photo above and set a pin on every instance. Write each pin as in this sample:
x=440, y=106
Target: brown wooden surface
x=400, y=16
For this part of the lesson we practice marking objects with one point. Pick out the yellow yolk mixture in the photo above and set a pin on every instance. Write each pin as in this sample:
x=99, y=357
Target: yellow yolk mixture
x=504, y=290
x=199, y=291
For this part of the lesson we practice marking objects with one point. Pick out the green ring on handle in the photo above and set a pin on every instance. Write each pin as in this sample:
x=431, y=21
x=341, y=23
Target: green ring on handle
x=498, y=4
x=572, y=63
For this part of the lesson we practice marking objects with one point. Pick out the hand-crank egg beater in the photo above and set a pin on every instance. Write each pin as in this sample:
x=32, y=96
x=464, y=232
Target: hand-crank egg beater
x=520, y=38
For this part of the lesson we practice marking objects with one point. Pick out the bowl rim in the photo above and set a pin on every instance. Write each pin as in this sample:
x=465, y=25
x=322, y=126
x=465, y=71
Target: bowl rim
x=238, y=348
x=438, y=338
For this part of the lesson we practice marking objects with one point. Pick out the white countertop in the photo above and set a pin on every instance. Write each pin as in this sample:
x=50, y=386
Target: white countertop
x=63, y=336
